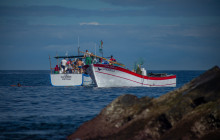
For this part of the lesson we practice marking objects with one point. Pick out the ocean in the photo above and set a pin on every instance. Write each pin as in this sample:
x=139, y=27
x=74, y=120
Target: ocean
x=37, y=110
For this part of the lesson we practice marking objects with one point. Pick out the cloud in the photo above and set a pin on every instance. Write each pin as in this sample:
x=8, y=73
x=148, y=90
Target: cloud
x=89, y=23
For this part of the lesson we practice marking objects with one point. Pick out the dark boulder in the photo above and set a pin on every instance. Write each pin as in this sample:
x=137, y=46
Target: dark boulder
x=190, y=112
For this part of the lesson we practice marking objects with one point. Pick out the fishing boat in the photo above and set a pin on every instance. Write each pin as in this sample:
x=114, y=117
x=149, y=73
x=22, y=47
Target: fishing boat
x=114, y=74
x=65, y=77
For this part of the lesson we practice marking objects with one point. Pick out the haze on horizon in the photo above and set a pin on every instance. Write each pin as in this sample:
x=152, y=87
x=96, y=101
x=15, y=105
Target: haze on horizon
x=166, y=34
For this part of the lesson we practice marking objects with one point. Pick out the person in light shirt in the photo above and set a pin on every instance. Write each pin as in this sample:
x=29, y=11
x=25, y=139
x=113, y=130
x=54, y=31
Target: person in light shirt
x=63, y=64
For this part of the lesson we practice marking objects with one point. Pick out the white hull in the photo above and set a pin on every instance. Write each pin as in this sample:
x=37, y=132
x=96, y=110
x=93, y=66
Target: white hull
x=70, y=79
x=112, y=76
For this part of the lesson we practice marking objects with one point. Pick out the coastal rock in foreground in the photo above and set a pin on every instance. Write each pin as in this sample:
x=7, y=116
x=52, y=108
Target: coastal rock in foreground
x=190, y=112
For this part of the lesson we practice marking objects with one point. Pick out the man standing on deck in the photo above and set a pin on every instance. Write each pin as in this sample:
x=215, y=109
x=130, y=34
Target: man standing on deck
x=88, y=58
x=80, y=64
x=63, y=64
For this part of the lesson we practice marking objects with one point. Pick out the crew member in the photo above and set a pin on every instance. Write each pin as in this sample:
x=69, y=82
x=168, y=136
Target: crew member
x=80, y=64
x=63, y=64
x=88, y=58
x=19, y=85
x=112, y=59
x=56, y=70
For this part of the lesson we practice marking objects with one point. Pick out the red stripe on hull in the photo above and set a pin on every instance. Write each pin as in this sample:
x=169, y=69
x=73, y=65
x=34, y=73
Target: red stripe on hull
x=119, y=77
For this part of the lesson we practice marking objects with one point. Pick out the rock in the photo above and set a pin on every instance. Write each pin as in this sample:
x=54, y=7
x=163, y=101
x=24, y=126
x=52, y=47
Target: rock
x=190, y=112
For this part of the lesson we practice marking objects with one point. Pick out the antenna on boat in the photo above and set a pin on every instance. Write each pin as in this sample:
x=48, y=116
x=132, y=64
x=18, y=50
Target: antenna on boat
x=50, y=65
x=95, y=48
x=78, y=45
x=66, y=53
x=95, y=51
x=101, y=47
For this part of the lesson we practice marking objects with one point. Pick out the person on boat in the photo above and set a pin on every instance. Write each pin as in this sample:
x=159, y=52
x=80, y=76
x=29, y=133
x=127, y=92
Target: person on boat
x=105, y=62
x=73, y=66
x=69, y=68
x=100, y=60
x=88, y=58
x=94, y=61
x=56, y=70
x=80, y=64
x=69, y=62
x=19, y=85
x=112, y=59
x=92, y=57
x=138, y=71
x=63, y=64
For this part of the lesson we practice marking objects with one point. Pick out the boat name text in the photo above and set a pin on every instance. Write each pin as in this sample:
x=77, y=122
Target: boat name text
x=66, y=77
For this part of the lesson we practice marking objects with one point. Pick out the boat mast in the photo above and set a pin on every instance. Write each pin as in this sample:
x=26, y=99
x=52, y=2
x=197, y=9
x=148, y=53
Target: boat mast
x=95, y=48
x=78, y=46
x=50, y=65
x=102, y=47
x=95, y=51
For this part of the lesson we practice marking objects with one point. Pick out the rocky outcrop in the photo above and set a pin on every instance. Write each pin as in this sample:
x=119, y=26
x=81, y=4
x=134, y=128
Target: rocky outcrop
x=190, y=112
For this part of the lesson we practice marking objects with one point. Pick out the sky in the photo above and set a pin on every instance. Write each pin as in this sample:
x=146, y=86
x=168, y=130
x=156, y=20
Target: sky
x=165, y=34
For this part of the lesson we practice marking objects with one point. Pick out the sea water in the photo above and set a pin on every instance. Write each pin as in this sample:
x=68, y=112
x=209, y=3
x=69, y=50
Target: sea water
x=37, y=110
